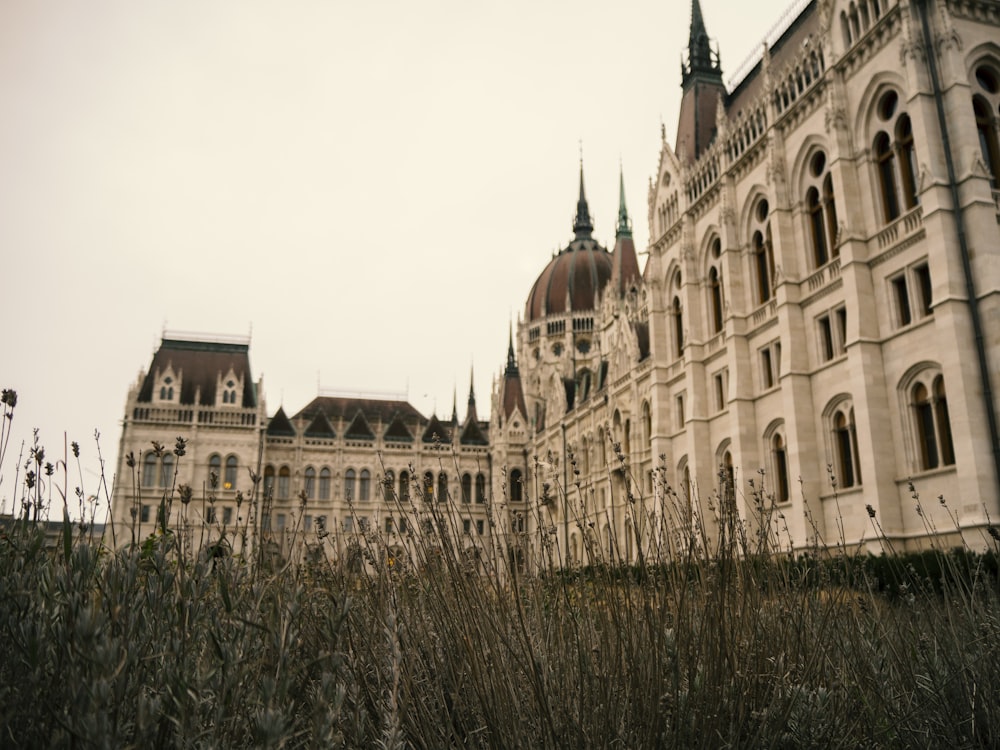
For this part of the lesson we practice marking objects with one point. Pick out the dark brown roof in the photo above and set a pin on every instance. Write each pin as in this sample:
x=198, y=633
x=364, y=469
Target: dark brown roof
x=474, y=433
x=625, y=265
x=578, y=273
x=199, y=364
x=280, y=425
x=320, y=427
x=374, y=409
x=397, y=430
x=512, y=395
x=437, y=432
x=359, y=428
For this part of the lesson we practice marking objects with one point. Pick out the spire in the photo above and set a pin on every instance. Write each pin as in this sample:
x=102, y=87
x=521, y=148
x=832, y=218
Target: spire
x=454, y=406
x=624, y=223
x=511, y=360
x=701, y=58
x=582, y=226
x=470, y=414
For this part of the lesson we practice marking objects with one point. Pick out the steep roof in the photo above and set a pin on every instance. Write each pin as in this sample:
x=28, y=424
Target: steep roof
x=511, y=390
x=345, y=407
x=359, y=429
x=436, y=432
x=280, y=425
x=397, y=430
x=200, y=364
x=320, y=427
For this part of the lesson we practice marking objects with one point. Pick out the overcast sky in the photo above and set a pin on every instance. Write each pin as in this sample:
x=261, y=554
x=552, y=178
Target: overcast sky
x=368, y=189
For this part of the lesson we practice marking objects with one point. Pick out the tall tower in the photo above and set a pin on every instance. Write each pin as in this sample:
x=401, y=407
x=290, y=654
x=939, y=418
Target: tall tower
x=702, y=86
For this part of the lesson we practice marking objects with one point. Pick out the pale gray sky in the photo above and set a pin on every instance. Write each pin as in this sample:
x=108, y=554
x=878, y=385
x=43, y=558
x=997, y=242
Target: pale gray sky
x=371, y=187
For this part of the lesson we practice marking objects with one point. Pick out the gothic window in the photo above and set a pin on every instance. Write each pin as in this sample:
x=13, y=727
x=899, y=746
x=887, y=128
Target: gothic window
x=466, y=488
x=822, y=210
x=845, y=447
x=310, y=479
x=404, y=486
x=349, y=479
x=779, y=459
x=831, y=328
x=229, y=392
x=268, y=481
x=214, y=470
x=480, y=488
x=985, y=106
x=895, y=158
x=442, y=487
x=770, y=365
x=763, y=253
x=428, y=486
x=388, y=482
x=910, y=294
x=232, y=464
x=715, y=290
x=932, y=425
x=284, y=482
x=167, y=475
x=364, y=485
x=516, y=486
x=647, y=426
x=149, y=470
x=678, y=327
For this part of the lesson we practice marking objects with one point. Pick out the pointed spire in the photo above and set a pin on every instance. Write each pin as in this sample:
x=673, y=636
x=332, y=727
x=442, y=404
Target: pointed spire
x=511, y=360
x=624, y=223
x=454, y=405
x=582, y=226
x=701, y=58
x=470, y=414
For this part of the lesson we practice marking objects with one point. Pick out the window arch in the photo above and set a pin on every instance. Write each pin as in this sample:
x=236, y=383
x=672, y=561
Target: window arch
x=269, y=481
x=214, y=470
x=716, y=295
x=647, y=426
x=779, y=459
x=388, y=485
x=895, y=158
x=404, y=486
x=310, y=480
x=149, y=463
x=822, y=210
x=762, y=250
x=350, y=476
x=480, y=488
x=931, y=424
x=442, y=487
x=324, y=483
x=284, y=482
x=428, y=486
x=516, y=486
x=364, y=485
x=167, y=474
x=232, y=465
x=466, y=488
x=986, y=106
x=844, y=440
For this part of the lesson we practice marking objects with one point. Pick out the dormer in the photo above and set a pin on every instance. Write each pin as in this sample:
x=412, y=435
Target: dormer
x=167, y=386
x=229, y=389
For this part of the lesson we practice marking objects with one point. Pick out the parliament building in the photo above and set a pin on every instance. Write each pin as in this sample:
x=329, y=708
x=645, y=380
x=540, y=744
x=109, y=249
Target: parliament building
x=809, y=352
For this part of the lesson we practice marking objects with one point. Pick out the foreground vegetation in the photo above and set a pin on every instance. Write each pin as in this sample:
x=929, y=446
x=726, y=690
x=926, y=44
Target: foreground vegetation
x=154, y=646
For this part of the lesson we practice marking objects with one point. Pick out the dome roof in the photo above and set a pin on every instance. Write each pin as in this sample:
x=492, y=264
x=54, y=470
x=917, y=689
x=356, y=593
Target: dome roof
x=573, y=279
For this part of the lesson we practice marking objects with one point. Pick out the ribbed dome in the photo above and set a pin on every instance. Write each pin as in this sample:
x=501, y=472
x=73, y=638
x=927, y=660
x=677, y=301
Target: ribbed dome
x=575, y=276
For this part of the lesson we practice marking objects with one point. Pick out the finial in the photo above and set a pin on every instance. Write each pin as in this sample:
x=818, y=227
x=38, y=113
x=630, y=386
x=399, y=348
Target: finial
x=624, y=223
x=582, y=226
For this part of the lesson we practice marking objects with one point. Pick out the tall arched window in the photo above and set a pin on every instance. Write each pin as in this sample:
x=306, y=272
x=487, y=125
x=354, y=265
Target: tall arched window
x=269, y=481
x=442, y=487
x=232, y=464
x=404, y=486
x=780, y=458
x=466, y=488
x=932, y=423
x=214, y=470
x=310, y=479
x=364, y=485
x=516, y=486
x=149, y=463
x=762, y=250
x=715, y=290
x=349, y=479
x=822, y=210
x=480, y=488
x=986, y=105
x=167, y=475
x=678, y=315
x=388, y=485
x=428, y=486
x=895, y=158
x=284, y=483
x=845, y=445
x=324, y=484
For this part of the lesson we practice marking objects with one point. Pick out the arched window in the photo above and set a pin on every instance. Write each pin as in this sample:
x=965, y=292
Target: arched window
x=349, y=478
x=404, y=486
x=763, y=253
x=269, y=481
x=167, y=475
x=895, y=158
x=780, y=459
x=428, y=486
x=516, y=486
x=149, y=470
x=932, y=424
x=364, y=485
x=442, y=487
x=284, y=483
x=310, y=479
x=845, y=446
x=480, y=488
x=214, y=470
x=388, y=485
x=715, y=290
x=987, y=139
x=232, y=463
x=466, y=488
x=678, y=315
x=647, y=427
x=324, y=484
x=822, y=210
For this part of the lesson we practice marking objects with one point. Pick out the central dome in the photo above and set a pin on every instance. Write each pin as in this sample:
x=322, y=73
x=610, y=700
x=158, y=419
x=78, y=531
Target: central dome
x=573, y=280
